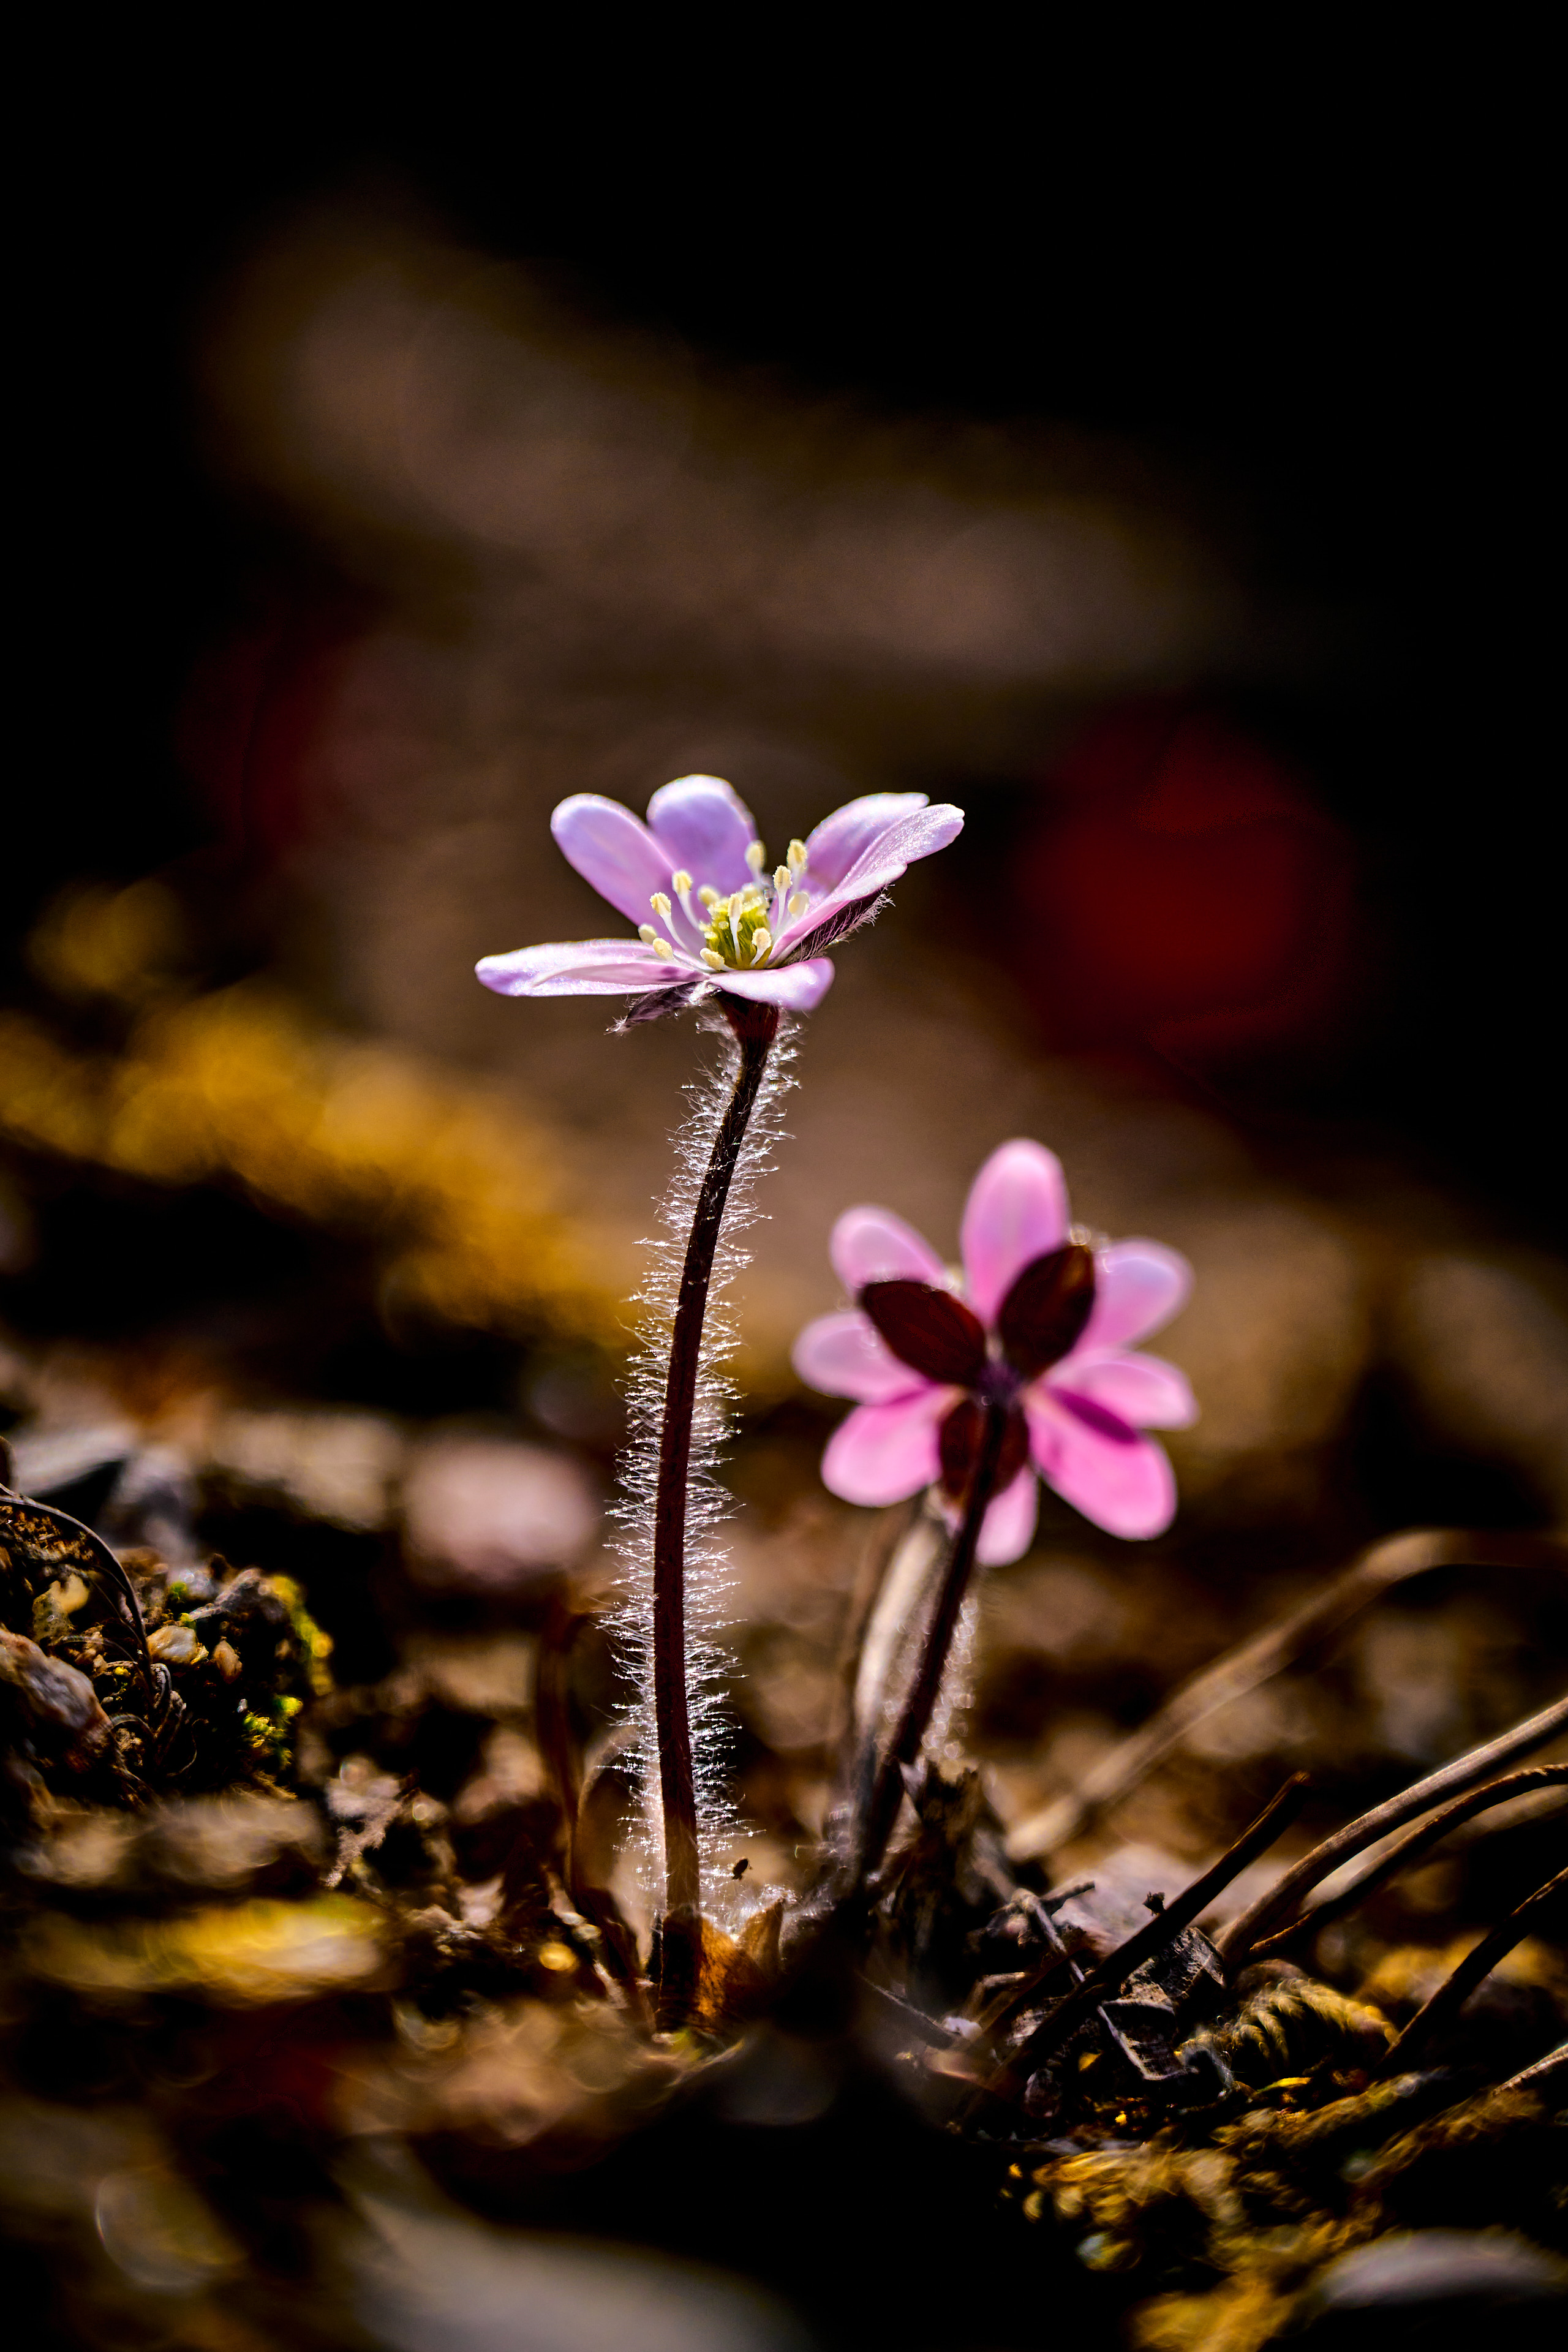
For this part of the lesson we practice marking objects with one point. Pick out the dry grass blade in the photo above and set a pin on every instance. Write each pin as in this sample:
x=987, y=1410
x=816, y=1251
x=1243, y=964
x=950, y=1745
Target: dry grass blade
x=1451, y=1996
x=1399, y=1856
x=1241, y=1670
x=1465, y=1772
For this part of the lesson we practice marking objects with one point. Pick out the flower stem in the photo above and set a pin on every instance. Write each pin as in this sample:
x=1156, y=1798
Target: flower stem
x=922, y=1696
x=680, y=1932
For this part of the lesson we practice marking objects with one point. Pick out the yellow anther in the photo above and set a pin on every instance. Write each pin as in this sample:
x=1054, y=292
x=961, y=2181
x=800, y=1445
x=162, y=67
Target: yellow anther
x=714, y=963
x=648, y=935
x=762, y=941
x=680, y=881
x=756, y=856
x=708, y=897
x=798, y=902
x=663, y=950
x=659, y=902
x=797, y=857
x=781, y=877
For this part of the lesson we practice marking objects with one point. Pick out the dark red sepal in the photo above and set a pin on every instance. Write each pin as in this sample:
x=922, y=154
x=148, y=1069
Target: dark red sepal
x=929, y=1329
x=958, y=1443
x=1044, y=1314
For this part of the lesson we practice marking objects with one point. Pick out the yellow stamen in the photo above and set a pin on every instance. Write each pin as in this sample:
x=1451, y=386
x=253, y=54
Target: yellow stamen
x=756, y=855
x=647, y=933
x=707, y=897
x=797, y=857
x=663, y=950
x=781, y=877
x=659, y=902
x=798, y=902
x=714, y=963
x=760, y=942
x=680, y=881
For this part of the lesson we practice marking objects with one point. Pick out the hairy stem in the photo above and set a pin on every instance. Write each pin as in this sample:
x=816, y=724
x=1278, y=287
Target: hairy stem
x=922, y=1696
x=756, y=1028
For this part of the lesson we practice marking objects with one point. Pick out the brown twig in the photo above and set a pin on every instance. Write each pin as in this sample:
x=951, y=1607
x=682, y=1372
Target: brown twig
x=1241, y=1670
x=1467, y=1772
x=1410, y=1848
x=1451, y=1996
x=1113, y=1970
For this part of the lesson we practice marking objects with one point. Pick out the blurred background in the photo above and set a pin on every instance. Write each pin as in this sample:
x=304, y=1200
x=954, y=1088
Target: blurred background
x=1188, y=546
x=1164, y=479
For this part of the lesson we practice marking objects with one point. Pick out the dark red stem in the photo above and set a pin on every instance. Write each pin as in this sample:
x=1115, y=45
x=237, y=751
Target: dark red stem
x=920, y=1699
x=680, y=1932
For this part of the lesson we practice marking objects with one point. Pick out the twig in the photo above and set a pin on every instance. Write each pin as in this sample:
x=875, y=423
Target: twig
x=1451, y=1996
x=1267, y=1653
x=1467, y=1772
x=1113, y=1970
x=1399, y=1856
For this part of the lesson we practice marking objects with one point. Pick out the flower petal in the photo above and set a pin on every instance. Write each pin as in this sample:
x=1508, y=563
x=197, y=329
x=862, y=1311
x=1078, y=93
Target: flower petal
x=926, y=1325
x=1008, y=1529
x=887, y=850
x=798, y=987
x=1043, y=1316
x=1121, y=1481
x=1016, y=1210
x=873, y=1245
x=580, y=968
x=614, y=850
x=1140, y=1284
x=704, y=825
x=1140, y=1389
x=843, y=1356
x=832, y=849
x=884, y=1452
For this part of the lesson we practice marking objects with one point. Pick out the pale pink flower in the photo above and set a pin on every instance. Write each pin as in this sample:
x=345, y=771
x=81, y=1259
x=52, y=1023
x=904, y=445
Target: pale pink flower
x=709, y=916
x=1041, y=1324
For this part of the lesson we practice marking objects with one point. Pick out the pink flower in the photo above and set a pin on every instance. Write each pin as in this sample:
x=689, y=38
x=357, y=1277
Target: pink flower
x=1041, y=1327
x=692, y=880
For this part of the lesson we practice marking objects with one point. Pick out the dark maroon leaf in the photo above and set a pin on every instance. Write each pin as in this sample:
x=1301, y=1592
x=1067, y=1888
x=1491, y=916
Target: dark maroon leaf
x=958, y=1443
x=930, y=1330
x=1044, y=1314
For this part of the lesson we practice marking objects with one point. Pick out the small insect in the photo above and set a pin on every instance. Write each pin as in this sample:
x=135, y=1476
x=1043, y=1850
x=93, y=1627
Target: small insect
x=741, y=1867
x=1286, y=2030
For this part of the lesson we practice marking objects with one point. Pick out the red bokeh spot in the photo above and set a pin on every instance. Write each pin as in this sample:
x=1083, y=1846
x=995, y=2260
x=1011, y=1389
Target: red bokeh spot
x=256, y=714
x=1186, y=892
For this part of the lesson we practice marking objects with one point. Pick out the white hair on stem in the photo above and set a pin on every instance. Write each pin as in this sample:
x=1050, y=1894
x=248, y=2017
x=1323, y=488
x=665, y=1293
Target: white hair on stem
x=708, y=1665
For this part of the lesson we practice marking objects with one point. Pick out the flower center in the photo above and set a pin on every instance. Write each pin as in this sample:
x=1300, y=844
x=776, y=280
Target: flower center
x=737, y=931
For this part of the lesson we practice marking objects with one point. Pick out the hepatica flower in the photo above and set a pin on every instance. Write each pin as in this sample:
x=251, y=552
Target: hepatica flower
x=1040, y=1325
x=709, y=915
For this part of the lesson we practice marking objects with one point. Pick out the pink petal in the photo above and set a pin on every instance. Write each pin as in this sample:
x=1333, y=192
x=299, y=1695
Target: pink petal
x=1115, y=1477
x=580, y=968
x=843, y=1355
x=887, y=850
x=1008, y=1529
x=884, y=1452
x=1143, y=1391
x=832, y=849
x=1139, y=1286
x=873, y=1245
x=704, y=825
x=614, y=850
x=800, y=987
x=1016, y=1210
